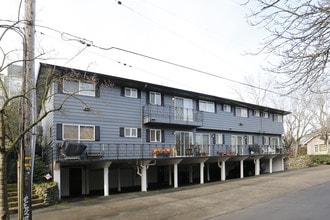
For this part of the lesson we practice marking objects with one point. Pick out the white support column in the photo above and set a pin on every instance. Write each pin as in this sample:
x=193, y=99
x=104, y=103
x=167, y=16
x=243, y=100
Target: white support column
x=201, y=172
x=143, y=178
x=257, y=167
x=242, y=168
x=118, y=180
x=170, y=175
x=190, y=174
x=106, y=180
x=223, y=170
x=271, y=165
x=57, y=177
x=175, y=175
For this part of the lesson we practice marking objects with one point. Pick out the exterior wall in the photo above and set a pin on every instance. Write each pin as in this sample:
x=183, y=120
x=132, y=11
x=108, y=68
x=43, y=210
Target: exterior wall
x=110, y=111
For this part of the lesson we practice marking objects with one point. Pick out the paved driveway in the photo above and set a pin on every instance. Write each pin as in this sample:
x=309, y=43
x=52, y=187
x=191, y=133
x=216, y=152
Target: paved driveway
x=208, y=201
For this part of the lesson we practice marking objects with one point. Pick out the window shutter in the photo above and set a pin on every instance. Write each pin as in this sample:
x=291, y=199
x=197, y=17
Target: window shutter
x=215, y=108
x=122, y=91
x=214, y=138
x=147, y=97
x=138, y=94
x=148, y=135
x=223, y=138
x=163, y=136
x=97, y=133
x=59, y=132
x=97, y=90
x=122, y=132
x=162, y=99
x=139, y=132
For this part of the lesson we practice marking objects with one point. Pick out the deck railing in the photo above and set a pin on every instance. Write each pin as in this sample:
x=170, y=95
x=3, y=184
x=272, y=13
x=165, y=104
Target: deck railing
x=106, y=151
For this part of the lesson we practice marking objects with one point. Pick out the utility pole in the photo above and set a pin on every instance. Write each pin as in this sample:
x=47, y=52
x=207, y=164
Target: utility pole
x=28, y=114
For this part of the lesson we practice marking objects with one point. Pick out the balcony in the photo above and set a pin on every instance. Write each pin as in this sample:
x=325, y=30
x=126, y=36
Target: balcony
x=156, y=114
x=106, y=152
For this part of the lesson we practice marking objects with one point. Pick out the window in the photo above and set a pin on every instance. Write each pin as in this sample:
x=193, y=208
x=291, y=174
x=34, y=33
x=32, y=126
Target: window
x=219, y=139
x=155, y=135
x=129, y=92
x=265, y=115
x=78, y=132
x=265, y=140
x=249, y=140
x=257, y=113
x=275, y=142
x=203, y=142
x=78, y=87
x=130, y=132
x=206, y=106
x=278, y=118
x=155, y=98
x=226, y=108
x=241, y=112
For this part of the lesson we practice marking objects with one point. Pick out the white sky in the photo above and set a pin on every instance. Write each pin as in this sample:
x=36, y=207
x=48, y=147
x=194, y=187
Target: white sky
x=208, y=35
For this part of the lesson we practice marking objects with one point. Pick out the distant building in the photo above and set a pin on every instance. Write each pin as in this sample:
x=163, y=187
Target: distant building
x=12, y=80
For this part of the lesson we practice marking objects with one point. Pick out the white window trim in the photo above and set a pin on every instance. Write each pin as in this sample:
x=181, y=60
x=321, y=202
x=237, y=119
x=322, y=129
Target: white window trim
x=219, y=139
x=265, y=114
x=209, y=106
x=79, y=126
x=80, y=91
x=132, y=132
x=256, y=113
x=249, y=140
x=278, y=118
x=241, y=112
x=154, y=140
x=154, y=102
x=226, y=108
x=131, y=94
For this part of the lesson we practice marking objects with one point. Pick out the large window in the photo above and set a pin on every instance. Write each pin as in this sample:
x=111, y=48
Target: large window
x=155, y=135
x=130, y=92
x=206, y=106
x=78, y=132
x=275, y=141
x=78, y=87
x=203, y=142
x=265, y=140
x=155, y=98
x=249, y=140
x=183, y=109
x=241, y=112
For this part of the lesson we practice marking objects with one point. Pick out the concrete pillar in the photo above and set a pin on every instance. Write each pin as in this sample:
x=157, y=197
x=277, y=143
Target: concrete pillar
x=175, y=175
x=201, y=173
x=143, y=178
x=271, y=165
x=257, y=167
x=223, y=170
x=118, y=180
x=57, y=177
x=242, y=168
x=106, y=180
x=190, y=174
x=170, y=175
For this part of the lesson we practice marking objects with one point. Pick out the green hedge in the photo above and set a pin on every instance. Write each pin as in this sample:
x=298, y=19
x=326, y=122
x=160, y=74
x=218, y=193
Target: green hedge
x=319, y=159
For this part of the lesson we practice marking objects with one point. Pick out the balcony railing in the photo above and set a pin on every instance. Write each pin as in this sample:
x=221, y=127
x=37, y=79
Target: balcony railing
x=106, y=151
x=172, y=115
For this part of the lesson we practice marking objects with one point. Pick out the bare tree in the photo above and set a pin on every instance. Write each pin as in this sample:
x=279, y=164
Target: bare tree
x=299, y=34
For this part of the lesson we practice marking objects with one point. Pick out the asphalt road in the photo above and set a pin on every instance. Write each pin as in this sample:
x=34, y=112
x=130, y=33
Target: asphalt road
x=298, y=194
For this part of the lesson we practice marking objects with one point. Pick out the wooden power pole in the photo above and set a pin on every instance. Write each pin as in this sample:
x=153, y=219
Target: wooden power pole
x=28, y=114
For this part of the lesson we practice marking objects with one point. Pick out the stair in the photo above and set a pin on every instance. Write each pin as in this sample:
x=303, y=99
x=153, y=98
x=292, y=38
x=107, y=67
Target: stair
x=37, y=201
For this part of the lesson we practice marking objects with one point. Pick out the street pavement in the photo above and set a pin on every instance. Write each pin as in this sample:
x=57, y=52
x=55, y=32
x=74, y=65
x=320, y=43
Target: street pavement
x=216, y=200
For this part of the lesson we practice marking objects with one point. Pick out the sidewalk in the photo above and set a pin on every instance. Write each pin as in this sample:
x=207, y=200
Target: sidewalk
x=191, y=202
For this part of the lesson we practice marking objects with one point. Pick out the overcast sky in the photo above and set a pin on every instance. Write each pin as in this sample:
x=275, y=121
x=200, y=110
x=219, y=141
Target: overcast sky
x=208, y=35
